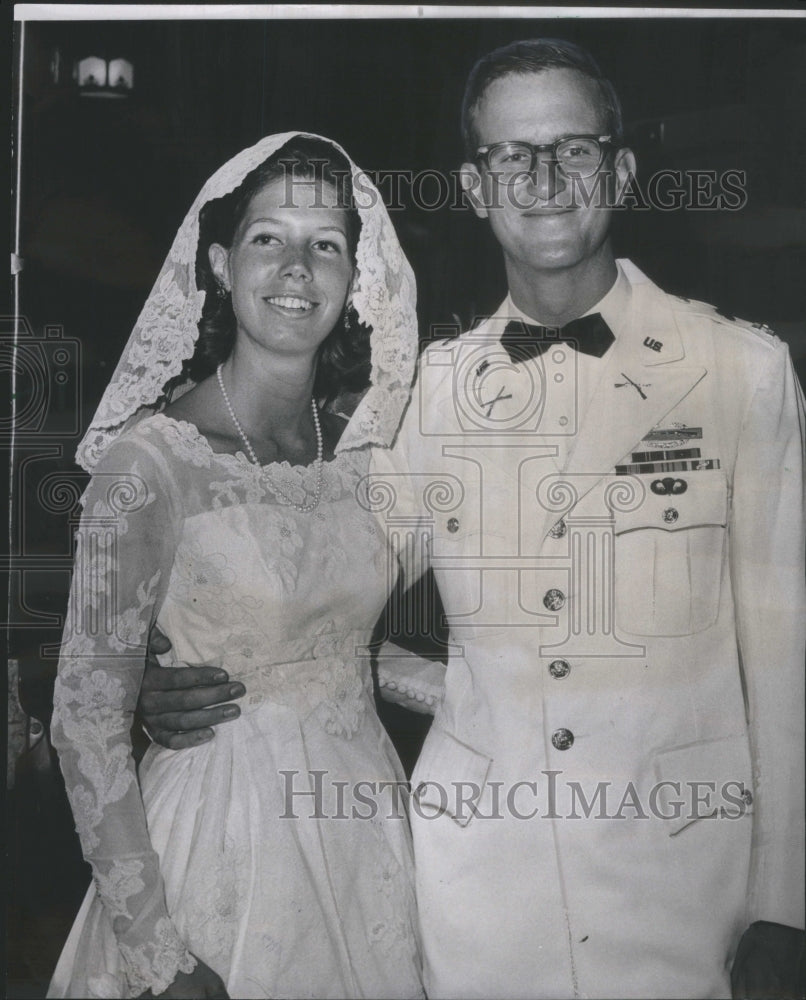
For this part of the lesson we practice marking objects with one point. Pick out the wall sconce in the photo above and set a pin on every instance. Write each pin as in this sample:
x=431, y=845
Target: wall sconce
x=97, y=77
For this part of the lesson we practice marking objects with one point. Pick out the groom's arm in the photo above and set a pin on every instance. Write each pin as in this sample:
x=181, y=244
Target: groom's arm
x=181, y=705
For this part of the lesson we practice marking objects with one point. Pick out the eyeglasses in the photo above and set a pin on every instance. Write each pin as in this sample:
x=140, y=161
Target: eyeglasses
x=574, y=155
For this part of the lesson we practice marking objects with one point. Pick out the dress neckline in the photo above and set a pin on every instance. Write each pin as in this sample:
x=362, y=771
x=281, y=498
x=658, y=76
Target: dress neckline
x=195, y=437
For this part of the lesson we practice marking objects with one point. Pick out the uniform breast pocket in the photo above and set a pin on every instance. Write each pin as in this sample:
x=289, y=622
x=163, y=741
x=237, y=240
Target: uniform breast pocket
x=669, y=552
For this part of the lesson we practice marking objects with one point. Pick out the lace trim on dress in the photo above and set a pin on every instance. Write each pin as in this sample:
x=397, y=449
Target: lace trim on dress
x=119, y=884
x=281, y=480
x=154, y=965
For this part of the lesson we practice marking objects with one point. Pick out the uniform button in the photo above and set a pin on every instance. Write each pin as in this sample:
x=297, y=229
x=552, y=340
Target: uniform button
x=670, y=515
x=554, y=599
x=558, y=530
x=559, y=668
x=453, y=525
x=562, y=739
x=747, y=797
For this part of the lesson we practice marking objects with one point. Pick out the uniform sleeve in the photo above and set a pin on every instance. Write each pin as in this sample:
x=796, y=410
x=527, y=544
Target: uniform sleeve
x=125, y=548
x=767, y=564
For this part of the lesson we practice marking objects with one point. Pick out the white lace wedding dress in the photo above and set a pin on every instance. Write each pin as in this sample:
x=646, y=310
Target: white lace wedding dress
x=284, y=894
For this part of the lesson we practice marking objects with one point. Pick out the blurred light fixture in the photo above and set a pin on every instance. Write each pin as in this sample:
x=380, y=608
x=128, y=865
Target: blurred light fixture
x=98, y=77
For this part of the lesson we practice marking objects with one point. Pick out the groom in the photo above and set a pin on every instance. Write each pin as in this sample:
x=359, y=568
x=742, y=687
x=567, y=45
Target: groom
x=610, y=800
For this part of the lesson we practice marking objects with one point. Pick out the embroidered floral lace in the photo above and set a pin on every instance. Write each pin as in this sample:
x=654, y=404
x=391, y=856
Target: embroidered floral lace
x=172, y=537
x=133, y=552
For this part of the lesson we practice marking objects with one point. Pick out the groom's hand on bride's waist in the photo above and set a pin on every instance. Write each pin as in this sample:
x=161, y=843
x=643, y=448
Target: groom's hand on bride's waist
x=179, y=705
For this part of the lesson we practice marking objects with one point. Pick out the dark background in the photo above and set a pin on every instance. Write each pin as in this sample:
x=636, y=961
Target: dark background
x=106, y=183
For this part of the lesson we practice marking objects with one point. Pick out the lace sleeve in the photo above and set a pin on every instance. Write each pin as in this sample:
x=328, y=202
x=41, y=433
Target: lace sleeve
x=125, y=548
x=409, y=680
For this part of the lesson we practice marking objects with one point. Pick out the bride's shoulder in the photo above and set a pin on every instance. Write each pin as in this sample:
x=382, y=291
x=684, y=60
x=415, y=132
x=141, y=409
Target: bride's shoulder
x=158, y=444
x=194, y=406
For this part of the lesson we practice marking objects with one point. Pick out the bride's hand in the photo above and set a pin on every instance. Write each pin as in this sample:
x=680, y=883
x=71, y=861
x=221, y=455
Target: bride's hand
x=201, y=984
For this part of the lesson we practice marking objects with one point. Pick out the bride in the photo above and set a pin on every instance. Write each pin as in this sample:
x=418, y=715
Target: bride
x=248, y=866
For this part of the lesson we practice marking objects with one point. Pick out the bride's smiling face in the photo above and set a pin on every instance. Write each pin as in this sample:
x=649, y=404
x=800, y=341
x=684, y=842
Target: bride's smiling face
x=289, y=267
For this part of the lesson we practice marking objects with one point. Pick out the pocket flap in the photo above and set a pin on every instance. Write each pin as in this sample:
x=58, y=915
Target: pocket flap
x=449, y=777
x=701, y=500
x=709, y=779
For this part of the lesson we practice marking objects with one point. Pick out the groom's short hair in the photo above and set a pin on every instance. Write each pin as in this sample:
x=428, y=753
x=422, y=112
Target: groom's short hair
x=534, y=55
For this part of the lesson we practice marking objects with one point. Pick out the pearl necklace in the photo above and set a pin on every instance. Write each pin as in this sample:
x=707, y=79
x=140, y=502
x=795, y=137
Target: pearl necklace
x=304, y=508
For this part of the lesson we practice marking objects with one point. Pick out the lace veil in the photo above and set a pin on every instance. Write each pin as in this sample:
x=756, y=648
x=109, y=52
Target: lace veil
x=166, y=331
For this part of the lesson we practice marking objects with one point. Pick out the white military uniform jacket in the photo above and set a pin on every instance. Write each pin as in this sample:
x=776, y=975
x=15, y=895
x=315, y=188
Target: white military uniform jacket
x=612, y=788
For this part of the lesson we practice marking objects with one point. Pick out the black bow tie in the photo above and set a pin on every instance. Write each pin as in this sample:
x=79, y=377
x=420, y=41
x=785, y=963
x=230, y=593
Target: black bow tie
x=588, y=334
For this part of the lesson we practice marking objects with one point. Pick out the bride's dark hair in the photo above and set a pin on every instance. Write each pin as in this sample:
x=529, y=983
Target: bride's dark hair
x=344, y=357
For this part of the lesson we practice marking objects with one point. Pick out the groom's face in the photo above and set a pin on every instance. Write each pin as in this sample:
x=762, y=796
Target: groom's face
x=541, y=220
